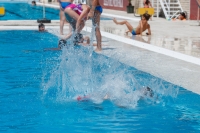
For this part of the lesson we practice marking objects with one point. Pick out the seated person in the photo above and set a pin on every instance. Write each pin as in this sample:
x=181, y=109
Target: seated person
x=33, y=3
x=147, y=4
x=41, y=27
x=147, y=91
x=143, y=25
x=181, y=17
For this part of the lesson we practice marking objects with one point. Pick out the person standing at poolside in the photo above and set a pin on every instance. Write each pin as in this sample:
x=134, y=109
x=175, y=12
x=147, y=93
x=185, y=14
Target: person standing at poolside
x=147, y=4
x=95, y=14
x=63, y=4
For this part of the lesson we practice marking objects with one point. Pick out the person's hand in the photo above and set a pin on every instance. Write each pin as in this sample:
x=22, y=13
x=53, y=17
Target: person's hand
x=90, y=15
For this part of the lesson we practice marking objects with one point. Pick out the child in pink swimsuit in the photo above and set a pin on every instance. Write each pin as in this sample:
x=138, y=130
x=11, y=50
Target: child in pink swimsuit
x=77, y=8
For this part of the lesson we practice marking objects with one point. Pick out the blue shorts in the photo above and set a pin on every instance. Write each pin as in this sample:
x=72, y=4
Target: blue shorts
x=99, y=8
x=133, y=32
x=65, y=4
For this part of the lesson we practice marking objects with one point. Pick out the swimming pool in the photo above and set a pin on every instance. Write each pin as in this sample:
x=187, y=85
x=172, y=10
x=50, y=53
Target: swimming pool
x=25, y=11
x=38, y=89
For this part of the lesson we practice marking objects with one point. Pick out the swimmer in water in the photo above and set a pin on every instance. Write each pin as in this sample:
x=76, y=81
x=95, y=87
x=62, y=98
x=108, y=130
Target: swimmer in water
x=143, y=25
x=84, y=41
x=33, y=3
x=145, y=92
x=95, y=14
x=63, y=43
x=41, y=27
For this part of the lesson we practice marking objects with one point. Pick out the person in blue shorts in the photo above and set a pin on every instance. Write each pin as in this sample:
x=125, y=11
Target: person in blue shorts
x=63, y=4
x=95, y=14
x=143, y=25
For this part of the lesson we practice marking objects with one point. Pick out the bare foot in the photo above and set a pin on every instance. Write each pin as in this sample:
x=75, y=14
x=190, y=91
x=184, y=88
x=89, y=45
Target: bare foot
x=115, y=21
x=95, y=44
x=106, y=97
x=98, y=50
x=63, y=37
x=126, y=33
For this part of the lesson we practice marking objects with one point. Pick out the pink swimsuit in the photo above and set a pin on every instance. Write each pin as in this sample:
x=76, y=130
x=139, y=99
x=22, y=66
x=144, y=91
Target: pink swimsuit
x=77, y=8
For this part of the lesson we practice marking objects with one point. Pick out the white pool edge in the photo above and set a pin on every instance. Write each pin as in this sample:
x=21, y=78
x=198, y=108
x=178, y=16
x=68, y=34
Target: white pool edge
x=132, y=42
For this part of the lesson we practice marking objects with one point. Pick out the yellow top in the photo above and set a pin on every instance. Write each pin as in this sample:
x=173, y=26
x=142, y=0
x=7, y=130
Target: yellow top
x=2, y=11
x=142, y=11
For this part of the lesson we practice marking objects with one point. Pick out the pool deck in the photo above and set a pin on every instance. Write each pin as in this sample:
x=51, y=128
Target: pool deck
x=172, y=52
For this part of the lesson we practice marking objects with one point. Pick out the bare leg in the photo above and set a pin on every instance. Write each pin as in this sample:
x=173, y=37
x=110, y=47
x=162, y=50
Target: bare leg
x=128, y=25
x=96, y=22
x=72, y=13
x=71, y=17
x=62, y=21
x=81, y=21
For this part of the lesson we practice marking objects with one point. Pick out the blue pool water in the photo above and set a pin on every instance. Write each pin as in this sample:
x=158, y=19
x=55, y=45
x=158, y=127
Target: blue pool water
x=25, y=11
x=37, y=90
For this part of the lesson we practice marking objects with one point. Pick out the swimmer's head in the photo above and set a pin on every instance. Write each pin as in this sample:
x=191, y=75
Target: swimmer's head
x=78, y=38
x=148, y=92
x=62, y=43
x=41, y=27
x=182, y=16
x=33, y=3
x=145, y=17
x=147, y=2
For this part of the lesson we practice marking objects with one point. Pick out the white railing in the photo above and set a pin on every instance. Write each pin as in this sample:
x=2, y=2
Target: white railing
x=168, y=13
x=175, y=15
x=165, y=3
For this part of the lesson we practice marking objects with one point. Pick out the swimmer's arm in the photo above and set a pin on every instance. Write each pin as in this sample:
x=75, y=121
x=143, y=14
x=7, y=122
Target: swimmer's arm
x=52, y=49
x=149, y=30
x=128, y=31
x=141, y=28
x=150, y=6
x=69, y=34
x=94, y=4
x=86, y=41
x=81, y=17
